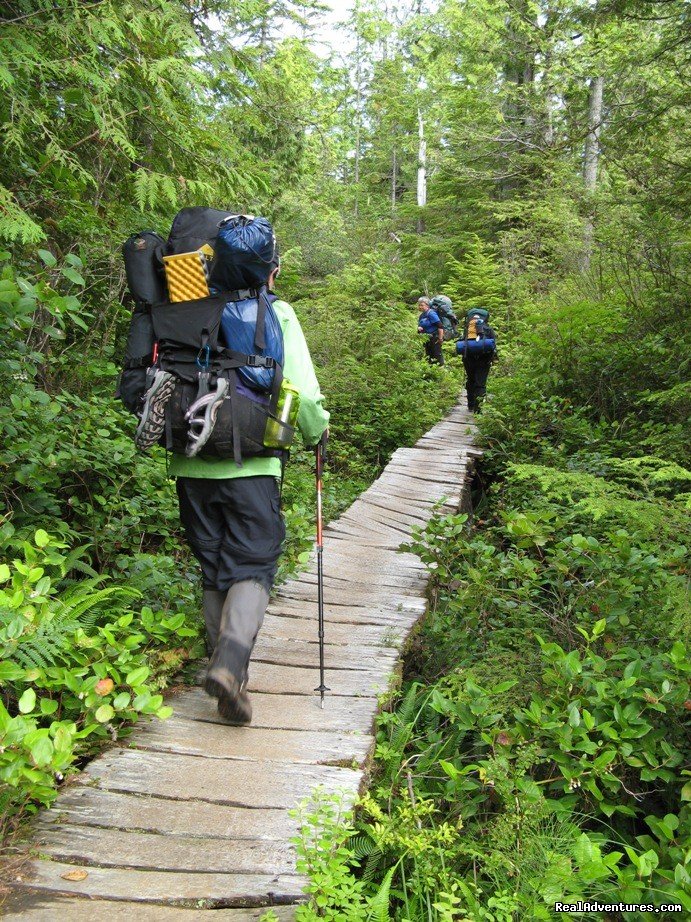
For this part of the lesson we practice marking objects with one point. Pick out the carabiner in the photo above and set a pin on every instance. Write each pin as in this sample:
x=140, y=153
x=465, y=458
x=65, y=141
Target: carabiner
x=205, y=362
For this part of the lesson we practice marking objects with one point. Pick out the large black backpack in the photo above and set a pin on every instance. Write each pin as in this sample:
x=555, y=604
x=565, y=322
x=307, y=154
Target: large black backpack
x=186, y=337
x=444, y=308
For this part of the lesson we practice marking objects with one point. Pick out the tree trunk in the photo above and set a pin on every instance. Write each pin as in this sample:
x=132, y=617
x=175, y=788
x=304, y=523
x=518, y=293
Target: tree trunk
x=358, y=106
x=421, y=171
x=591, y=160
x=394, y=176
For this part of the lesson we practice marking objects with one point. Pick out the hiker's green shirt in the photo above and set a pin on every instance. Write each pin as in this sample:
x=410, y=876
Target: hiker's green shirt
x=312, y=417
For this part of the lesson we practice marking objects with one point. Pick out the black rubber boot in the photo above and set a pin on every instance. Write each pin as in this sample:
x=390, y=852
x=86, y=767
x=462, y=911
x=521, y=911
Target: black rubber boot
x=242, y=616
x=212, y=605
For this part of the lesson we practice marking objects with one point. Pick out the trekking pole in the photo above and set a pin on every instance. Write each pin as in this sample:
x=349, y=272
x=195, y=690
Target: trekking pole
x=320, y=456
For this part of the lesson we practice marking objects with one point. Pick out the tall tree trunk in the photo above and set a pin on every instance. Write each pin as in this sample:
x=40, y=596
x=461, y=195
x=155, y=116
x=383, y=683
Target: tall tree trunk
x=591, y=161
x=421, y=171
x=394, y=177
x=358, y=107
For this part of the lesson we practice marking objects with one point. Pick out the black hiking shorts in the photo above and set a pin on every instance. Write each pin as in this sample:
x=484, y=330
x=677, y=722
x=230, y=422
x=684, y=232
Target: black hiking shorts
x=234, y=527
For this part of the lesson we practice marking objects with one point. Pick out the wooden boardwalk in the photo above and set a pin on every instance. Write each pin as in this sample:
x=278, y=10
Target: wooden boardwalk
x=190, y=815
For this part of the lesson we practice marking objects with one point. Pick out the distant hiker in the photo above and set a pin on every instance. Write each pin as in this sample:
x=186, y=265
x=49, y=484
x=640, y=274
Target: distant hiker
x=442, y=306
x=478, y=347
x=430, y=326
x=225, y=365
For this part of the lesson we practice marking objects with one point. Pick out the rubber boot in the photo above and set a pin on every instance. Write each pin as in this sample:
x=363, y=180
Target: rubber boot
x=212, y=606
x=242, y=616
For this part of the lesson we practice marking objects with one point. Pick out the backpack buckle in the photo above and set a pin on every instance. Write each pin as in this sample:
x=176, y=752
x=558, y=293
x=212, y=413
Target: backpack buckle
x=260, y=361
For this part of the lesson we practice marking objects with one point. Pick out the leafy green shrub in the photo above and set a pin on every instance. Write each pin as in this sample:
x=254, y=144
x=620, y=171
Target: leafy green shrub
x=75, y=666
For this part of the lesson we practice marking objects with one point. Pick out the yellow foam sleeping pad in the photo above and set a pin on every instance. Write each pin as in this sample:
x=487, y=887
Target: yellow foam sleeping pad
x=187, y=274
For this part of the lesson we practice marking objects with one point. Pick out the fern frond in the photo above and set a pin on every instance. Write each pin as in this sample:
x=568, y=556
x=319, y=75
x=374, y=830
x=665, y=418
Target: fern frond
x=379, y=904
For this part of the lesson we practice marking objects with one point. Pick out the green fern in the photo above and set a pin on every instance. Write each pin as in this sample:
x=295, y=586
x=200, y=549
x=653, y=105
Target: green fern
x=379, y=904
x=78, y=607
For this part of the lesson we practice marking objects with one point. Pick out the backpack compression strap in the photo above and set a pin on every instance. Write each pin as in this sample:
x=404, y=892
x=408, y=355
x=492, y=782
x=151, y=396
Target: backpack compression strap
x=259, y=332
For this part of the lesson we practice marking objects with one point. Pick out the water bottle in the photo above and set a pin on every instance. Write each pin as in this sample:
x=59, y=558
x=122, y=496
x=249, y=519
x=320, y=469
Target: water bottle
x=280, y=428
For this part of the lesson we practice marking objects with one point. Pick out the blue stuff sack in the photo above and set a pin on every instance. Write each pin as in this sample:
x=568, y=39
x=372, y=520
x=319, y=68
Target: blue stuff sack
x=243, y=253
x=476, y=346
x=238, y=326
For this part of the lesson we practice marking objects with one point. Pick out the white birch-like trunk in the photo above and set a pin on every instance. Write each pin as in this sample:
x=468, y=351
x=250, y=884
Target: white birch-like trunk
x=394, y=175
x=421, y=170
x=358, y=116
x=591, y=161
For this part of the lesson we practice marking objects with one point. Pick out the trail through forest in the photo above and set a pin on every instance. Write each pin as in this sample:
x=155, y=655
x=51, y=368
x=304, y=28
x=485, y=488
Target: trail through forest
x=195, y=811
x=531, y=159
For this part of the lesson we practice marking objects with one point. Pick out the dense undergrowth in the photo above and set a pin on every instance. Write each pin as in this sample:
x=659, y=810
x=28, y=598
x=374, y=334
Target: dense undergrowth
x=539, y=748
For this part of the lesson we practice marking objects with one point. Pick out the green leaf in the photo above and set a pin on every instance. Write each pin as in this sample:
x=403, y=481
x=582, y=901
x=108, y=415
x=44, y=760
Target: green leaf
x=137, y=676
x=73, y=276
x=104, y=713
x=10, y=672
x=41, y=538
x=4, y=572
x=121, y=701
x=28, y=701
x=42, y=751
x=47, y=258
x=48, y=706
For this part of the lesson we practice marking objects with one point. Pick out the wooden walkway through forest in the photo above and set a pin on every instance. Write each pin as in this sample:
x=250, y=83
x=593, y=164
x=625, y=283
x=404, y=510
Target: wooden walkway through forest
x=189, y=814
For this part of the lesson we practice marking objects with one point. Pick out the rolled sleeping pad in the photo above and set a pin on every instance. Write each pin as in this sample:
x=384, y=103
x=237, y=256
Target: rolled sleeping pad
x=476, y=346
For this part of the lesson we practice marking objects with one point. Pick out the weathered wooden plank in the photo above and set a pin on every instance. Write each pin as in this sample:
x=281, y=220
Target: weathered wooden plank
x=346, y=580
x=292, y=652
x=374, y=521
x=294, y=600
x=366, y=560
x=287, y=711
x=167, y=887
x=428, y=474
x=181, y=735
x=245, y=784
x=367, y=530
x=411, y=516
x=90, y=806
x=303, y=627
x=298, y=680
x=42, y=907
x=116, y=848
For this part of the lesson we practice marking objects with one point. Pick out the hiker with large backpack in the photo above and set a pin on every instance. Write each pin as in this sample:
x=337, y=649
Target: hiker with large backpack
x=443, y=307
x=218, y=371
x=478, y=349
x=430, y=326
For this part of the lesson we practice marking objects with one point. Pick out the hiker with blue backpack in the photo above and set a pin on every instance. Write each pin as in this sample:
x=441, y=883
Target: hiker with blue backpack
x=430, y=326
x=218, y=371
x=478, y=349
